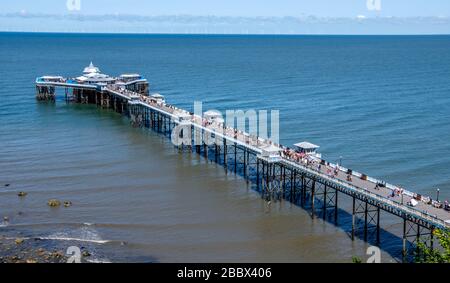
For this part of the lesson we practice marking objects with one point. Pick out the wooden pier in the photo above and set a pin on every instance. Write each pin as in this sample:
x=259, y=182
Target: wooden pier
x=275, y=174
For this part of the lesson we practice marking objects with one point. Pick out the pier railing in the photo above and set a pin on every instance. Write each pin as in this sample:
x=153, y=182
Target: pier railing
x=399, y=206
x=230, y=134
x=255, y=144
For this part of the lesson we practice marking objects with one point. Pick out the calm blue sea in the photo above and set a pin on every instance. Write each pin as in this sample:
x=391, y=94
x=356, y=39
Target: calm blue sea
x=382, y=103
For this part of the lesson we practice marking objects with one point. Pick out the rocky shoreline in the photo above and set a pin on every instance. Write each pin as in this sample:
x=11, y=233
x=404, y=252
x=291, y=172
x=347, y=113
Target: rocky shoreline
x=30, y=250
x=21, y=250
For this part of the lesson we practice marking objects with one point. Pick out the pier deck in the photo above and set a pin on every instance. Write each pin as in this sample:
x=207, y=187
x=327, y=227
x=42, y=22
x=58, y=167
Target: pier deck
x=364, y=186
x=360, y=188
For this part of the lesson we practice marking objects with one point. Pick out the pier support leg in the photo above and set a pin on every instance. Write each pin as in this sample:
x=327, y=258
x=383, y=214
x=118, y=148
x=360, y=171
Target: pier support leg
x=336, y=208
x=365, y=218
x=235, y=158
x=313, y=189
x=151, y=120
x=225, y=156
x=404, y=249
x=378, y=225
x=216, y=152
x=257, y=174
x=263, y=178
x=325, y=200
x=365, y=222
x=353, y=218
x=245, y=164
x=303, y=191
x=432, y=238
x=283, y=185
x=267, y=187
x=292, y=181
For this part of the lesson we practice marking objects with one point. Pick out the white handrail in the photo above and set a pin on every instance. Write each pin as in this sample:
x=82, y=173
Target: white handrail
x=432, y=218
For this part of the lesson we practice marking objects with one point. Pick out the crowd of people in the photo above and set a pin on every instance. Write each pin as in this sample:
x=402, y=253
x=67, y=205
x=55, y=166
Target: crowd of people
x=285, y=152
x=396, y=192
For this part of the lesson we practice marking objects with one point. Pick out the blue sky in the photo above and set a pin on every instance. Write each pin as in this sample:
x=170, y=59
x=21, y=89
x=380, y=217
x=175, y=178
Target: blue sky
x=21, y=15
x=251, y=8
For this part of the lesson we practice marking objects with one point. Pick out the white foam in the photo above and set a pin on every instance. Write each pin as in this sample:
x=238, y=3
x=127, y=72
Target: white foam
x=83, y=234
x=13, y=238
x=55, y=238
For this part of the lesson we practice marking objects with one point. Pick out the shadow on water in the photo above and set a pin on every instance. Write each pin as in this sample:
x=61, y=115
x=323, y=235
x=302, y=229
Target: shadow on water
x=344, y=217
x=389, y=243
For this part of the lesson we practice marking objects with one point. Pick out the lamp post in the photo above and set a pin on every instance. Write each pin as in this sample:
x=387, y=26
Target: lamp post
x=340, y=160
x=437, y=192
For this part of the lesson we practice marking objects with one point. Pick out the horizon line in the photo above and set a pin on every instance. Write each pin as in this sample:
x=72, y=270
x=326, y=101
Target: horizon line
x=220, y=34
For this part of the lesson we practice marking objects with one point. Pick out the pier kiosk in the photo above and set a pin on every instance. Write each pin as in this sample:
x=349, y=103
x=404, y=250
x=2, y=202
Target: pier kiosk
x=271, y=153
x=130, y=77
x=308, y=149
x=158, y=98
x=53, y=79
x=135, y=83
x=271, y=185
